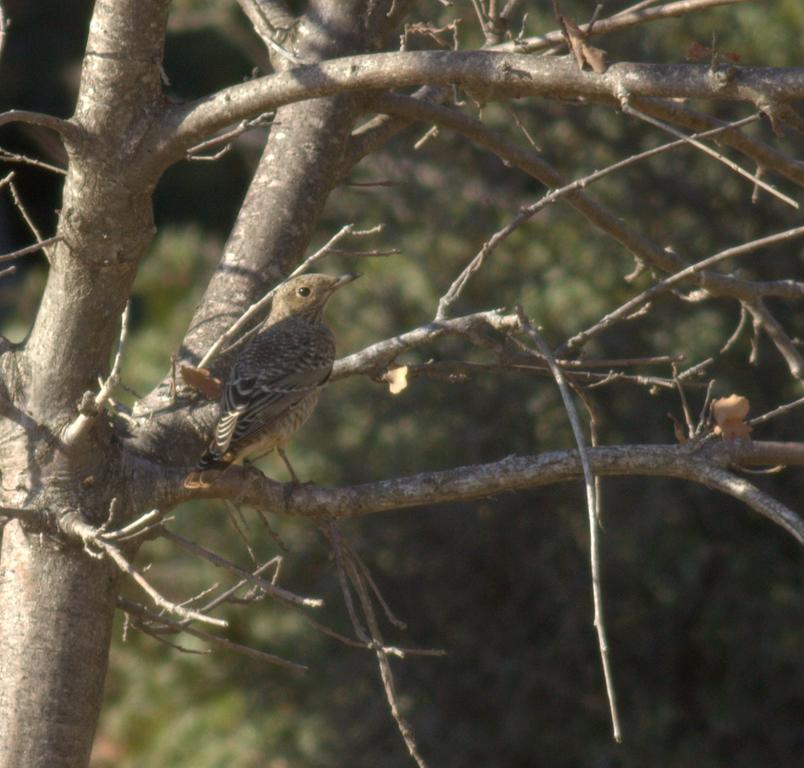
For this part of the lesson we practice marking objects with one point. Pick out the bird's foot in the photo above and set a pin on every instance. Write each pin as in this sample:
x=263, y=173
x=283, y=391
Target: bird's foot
x=203, y=478
x=294, y=478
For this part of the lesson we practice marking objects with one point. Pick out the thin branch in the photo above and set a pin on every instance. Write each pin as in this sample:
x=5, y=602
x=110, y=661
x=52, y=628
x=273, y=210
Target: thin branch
x=590, y=484
x=23, y=210
x=630, y=307
x=30, y=249
x=90, y=410
x=459, y=370
x=244, y=126
x=135, y=528
x=608, y=221
x=348, y=569
x=227, y=595
x=74, y=527
x=629, y=17
x=139, y=613
x=782, y=409
x=279, y=594
x=634, y=112
x=271, y=20
x=14, y=157
x=777, y=334
x=762, y=154
x=527, y=212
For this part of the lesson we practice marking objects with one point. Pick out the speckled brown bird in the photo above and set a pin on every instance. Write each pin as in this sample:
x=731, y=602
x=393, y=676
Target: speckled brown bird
x=274, y=385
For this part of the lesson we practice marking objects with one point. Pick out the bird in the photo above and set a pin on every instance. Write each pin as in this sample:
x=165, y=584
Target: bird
x=274, y=385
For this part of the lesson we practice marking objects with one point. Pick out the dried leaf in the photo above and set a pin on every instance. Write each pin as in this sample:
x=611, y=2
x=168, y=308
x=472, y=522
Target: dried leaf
x=201, y=380
x=729, y=414
x=396, y=378
x=596, y=58
x=698, y=52
x=575, y=39
x=583, y=52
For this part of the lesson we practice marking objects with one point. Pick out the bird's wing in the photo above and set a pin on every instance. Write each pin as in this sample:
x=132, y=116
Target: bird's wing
x=281, y=369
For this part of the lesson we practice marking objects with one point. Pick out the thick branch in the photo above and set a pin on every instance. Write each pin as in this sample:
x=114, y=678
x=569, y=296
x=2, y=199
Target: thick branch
x=381, y=354
x=66, y=129
x=510, y=474
x=489, y=74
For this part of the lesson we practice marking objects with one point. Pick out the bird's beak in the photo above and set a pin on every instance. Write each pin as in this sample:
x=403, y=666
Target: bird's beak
x=344, y=279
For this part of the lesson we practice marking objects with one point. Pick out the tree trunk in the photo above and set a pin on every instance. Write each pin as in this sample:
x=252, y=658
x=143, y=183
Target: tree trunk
x=55, y=629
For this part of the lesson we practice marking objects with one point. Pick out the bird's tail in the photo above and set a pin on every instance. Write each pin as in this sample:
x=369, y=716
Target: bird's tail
x=214, y=460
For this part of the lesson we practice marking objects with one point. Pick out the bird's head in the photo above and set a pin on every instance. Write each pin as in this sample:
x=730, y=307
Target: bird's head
x=306, y=295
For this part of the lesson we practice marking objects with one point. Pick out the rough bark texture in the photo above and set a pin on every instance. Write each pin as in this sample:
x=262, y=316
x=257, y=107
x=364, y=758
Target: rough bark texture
x=57, y=603
x=55, y=629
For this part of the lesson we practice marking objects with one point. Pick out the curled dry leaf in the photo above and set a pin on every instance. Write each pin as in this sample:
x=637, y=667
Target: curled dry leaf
x=396, y=378
x=729, y=414
x=698, y=52
x=583, y=52
x=201, y=380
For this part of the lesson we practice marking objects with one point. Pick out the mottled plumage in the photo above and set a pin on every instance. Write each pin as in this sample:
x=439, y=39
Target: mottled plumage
x=274, y=385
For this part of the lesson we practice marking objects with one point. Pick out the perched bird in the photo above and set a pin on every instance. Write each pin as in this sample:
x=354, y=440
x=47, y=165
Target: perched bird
x=274, y=385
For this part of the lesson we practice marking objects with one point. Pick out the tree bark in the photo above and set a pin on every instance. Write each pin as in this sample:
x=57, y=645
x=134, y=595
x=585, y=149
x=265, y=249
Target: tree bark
x=55, y=628
x=56, y=601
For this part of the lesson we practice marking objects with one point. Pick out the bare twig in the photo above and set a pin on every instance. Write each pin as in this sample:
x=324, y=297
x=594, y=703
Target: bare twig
x=30, y=249
x=136, y=528
x=348, y=569
x=74, y=527
x=277, y=593
x=382, y=353
x=685, y=406
x=627, y=310
x=782, y=409
x=592, y=509
x=527, y=212
x=23, y=211
x=267, y=18
x=139, y=613
x=14, y=157
x=225, y=138
x=741, y=324
x=90, y=410
x=764, y=319
x=598, y=215
x=626, y=107
x=628, y=17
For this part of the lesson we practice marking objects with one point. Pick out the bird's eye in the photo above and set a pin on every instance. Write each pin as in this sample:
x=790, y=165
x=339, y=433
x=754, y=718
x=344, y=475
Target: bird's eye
x=303, y=291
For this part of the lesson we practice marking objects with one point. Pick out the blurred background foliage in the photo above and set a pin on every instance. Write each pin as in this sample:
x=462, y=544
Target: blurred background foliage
x=703, y=597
